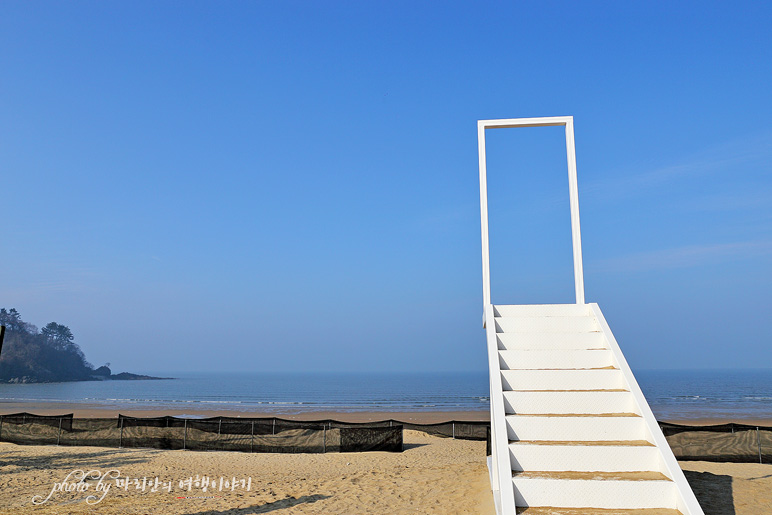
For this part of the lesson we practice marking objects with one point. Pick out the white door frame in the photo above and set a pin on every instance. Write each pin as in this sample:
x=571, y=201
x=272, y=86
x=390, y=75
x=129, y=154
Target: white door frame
x=573, y=193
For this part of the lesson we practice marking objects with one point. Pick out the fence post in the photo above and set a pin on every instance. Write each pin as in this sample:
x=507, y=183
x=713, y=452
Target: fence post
x=120, y=442
x=185, y=436
x=252, y=438
x=273, y=431
x=758, y=441
x=59, y=436
x=454, y=430
x=1, y=427
x=324, y=441
x=219, y=428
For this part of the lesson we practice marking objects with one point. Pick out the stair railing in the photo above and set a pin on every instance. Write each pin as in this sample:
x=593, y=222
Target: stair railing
x=501, y=466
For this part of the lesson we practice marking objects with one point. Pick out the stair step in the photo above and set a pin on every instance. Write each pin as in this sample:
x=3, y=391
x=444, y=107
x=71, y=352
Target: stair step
x=524, y=427
x=640, y=475
x=542, y=310
x=577, y=390
x=546, y=324
x=634, y=443
x=556, y=415
x=562, y=379
x=551, y=510
x=515, y=341
x=593, y=493
x=583, y=458
x=555, y=359
x=529, y=403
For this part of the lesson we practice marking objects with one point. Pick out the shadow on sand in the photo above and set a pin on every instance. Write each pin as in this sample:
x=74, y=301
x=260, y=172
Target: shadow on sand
x=102, y=459
x=406, y=446
x=289, y=502
x=714, y=492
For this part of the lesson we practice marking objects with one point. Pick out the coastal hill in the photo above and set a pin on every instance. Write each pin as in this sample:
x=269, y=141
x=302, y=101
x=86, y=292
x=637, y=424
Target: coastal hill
x=48, y=355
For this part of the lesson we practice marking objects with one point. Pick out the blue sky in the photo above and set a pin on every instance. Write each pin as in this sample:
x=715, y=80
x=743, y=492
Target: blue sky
x=278, y=186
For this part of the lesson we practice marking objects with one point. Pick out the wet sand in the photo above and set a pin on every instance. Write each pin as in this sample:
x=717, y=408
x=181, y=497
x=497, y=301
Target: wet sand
x=96, y=411
x=422, y=417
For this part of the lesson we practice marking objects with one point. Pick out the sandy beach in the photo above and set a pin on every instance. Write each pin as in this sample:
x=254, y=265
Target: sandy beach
x=433, y=475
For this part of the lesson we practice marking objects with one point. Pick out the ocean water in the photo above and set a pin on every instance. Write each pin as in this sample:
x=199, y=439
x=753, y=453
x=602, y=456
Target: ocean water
x=694, y=394
x=672, y=394
x=280, y=393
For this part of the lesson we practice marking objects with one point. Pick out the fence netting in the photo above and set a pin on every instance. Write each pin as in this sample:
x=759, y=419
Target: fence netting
x=211, y=434
x=724, y=442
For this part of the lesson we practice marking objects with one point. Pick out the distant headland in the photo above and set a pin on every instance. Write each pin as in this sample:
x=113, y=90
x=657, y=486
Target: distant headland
x=47, y=355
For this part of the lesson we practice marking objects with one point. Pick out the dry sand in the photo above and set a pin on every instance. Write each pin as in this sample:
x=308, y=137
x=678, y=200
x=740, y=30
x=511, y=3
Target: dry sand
x=731, y=488
x=432, y=475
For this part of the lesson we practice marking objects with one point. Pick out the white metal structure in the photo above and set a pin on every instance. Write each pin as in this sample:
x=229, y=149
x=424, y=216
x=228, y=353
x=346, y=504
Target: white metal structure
x=570, y=427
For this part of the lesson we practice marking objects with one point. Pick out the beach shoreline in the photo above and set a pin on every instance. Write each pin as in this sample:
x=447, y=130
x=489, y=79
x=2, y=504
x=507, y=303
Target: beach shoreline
x=98, y=411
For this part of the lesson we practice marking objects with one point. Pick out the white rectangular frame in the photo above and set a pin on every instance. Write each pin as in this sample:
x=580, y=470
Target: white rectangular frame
x=573, y=193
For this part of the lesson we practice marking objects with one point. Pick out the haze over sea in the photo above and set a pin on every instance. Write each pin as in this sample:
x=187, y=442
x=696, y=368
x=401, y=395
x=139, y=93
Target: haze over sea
x=672, y=394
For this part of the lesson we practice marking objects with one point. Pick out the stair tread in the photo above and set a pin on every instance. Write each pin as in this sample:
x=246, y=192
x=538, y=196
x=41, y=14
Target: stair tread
x=549, y=510
x=542, y=316
x=558, y=349
x=572, y=415
x=555, y=333
x=643, y=475
x=625, y=443
x=521, y=334
x=554, y=315
x=534, y=332
x=593, y=390
x=610, y=367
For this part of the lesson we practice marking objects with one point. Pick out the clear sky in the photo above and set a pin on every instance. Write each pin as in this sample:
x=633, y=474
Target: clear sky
x=285, y=185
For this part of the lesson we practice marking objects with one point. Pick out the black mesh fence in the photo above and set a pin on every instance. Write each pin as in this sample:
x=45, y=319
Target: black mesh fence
x=460, y=430
x=101, y=432
x=226, y=433
x=25, y=427
x=156, y=433
x=212, y=434
x=724, y=442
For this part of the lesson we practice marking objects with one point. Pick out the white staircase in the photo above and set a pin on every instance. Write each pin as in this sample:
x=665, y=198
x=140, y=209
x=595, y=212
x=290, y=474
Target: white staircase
x=578, y=432
x=571, y=432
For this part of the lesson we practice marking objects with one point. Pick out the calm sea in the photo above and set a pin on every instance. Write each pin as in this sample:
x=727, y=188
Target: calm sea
x=693, y=394
x=285, y=393
x=672, y=394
